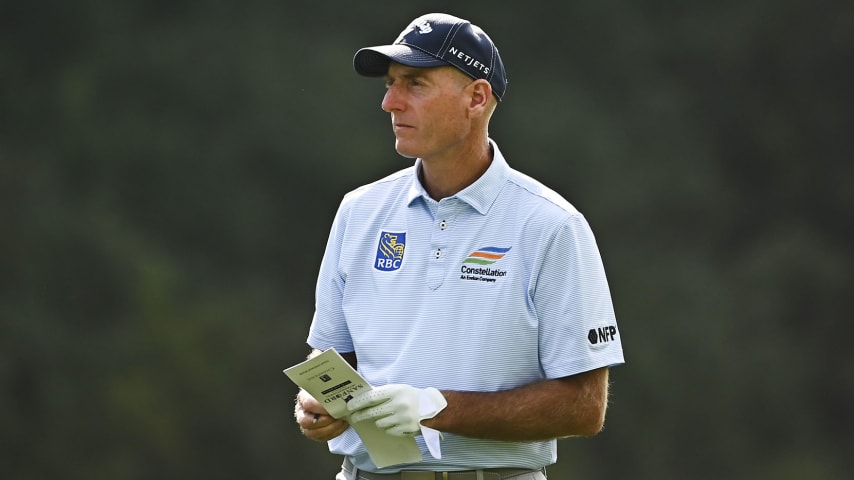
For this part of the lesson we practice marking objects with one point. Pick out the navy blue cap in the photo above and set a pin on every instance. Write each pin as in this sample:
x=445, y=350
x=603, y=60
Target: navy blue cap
x=434, y=40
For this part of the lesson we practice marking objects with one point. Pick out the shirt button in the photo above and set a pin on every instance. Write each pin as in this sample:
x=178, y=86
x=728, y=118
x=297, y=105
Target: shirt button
x=438, y=253
x=443, y=225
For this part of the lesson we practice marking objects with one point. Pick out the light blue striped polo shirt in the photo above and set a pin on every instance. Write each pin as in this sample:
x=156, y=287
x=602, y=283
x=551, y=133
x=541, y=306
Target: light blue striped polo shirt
x=496, y=287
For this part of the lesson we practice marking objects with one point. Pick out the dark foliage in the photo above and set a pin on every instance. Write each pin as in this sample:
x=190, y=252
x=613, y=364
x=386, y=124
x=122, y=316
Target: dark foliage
x=169, y=172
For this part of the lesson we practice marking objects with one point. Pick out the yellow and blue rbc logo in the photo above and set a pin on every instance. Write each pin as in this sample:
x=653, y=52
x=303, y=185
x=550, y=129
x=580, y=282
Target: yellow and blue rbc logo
x=390, y=251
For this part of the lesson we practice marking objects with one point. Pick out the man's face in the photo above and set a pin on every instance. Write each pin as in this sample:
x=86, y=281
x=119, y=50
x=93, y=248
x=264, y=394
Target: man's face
x=428, y=108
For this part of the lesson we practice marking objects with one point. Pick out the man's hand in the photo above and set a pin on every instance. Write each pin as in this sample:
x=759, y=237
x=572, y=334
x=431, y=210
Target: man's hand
x=398, y=409
x=314, y=421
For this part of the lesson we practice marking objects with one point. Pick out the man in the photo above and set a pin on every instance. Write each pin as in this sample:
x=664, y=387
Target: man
x=471, y=296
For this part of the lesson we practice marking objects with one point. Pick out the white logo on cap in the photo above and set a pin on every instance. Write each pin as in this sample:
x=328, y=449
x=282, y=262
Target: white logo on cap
x=424, y=27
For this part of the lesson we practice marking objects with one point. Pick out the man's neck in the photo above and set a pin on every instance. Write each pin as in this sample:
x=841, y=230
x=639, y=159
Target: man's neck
x=445, y=177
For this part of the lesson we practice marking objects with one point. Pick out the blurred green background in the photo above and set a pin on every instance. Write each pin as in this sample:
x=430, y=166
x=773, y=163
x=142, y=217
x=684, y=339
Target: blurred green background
x=169, y=172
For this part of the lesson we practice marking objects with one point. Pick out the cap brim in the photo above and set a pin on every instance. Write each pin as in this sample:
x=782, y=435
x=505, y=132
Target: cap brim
x=374, y=61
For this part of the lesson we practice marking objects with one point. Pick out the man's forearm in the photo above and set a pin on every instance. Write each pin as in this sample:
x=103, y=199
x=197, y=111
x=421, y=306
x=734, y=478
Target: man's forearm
x=569, y=406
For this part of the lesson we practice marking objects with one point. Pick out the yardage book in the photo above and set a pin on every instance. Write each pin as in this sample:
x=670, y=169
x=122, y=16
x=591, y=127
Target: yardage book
x=333, y=382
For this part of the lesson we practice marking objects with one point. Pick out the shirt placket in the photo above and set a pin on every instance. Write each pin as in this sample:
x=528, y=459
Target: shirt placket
x=439, y=242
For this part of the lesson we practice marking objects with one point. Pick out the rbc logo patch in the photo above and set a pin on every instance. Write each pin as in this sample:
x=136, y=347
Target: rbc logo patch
x=390, y=251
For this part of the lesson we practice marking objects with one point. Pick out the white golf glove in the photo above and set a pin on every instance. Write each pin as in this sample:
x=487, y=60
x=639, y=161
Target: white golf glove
x=399, y=409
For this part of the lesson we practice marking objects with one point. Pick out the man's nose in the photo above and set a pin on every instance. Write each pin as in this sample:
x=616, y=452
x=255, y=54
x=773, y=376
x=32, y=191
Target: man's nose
x=391, y=100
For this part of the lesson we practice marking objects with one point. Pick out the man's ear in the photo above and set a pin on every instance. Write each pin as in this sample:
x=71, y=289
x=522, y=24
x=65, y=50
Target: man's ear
x=481, y=92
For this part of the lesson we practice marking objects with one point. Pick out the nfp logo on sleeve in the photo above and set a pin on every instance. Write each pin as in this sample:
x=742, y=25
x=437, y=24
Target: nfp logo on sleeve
x=602, y=335
x=390, y=251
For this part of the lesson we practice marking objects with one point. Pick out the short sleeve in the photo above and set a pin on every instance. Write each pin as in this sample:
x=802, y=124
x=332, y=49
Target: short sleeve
x=578, y=327
x=329, y=325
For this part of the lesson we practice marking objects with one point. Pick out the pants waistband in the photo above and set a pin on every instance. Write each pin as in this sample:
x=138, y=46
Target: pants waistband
x=484, y=474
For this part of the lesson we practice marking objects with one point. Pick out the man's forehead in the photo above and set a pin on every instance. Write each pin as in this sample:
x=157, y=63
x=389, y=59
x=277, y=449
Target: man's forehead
x=395, y=68
x=399, y=70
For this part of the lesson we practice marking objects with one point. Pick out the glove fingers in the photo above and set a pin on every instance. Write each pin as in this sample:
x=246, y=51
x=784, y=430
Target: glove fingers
x=367, y=399
x=388, y=422
x=372, y=413
x=396, y=408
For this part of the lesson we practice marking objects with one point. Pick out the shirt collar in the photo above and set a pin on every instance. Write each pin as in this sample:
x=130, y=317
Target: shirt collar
x=481, y=194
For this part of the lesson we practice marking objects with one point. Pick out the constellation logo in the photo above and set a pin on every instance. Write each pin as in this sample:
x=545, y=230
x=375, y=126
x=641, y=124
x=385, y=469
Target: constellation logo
x=483, y=258
x=486, y=255
x=601, y=335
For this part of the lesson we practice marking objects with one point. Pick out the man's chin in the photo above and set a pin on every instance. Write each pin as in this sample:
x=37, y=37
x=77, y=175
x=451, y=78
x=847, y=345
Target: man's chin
x=404, y=152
